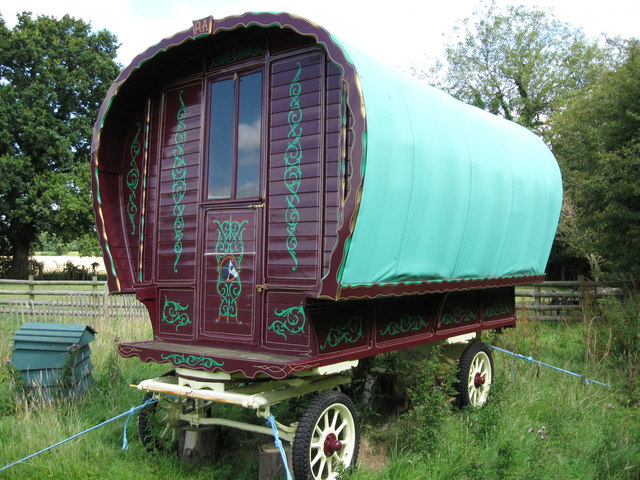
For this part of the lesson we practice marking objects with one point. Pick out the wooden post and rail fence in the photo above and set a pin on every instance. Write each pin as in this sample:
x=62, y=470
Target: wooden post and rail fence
x=89, y=302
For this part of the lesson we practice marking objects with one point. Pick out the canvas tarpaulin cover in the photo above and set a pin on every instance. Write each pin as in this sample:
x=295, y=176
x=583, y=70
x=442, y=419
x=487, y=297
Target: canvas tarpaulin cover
x=450, y=191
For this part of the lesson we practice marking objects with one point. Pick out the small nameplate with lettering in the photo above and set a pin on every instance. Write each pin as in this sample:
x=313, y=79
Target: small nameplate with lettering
x=203, y=26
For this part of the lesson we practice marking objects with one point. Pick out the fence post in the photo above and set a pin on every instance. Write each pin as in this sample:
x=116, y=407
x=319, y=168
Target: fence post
x=32, y=297
x=584, y=295
x=105, y=305
x=536, y=299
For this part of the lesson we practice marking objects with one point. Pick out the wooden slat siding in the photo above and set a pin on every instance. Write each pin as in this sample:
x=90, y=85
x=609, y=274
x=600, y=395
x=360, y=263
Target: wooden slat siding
x=132, y=230
x=111, y=195
x=166, y=235
x=333, y=159
x=151, y=199
x=279, y=262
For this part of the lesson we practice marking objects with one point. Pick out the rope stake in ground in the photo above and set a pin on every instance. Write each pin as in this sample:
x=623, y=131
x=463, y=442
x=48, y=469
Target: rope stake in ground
x=128, y=414
x=587, y=381
x=278, y=443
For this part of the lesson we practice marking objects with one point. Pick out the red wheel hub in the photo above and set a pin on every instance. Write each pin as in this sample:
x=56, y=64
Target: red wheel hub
x=478, y=380
x=332, y=445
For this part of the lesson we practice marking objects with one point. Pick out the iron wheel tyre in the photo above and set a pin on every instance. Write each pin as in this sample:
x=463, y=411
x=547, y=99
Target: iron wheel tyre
x=475, y=375
x=327, y=438
x=159, y=423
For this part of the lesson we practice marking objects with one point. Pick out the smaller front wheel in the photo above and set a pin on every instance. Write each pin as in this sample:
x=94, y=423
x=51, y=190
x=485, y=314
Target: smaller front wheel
x=159, y=423
x=475, y=374
x=327, y=438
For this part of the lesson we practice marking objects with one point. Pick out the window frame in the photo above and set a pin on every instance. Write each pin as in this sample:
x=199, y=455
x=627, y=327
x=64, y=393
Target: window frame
x=235, y=72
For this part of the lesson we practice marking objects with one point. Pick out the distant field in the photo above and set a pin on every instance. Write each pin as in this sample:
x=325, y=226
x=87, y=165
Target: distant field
x=56, y=263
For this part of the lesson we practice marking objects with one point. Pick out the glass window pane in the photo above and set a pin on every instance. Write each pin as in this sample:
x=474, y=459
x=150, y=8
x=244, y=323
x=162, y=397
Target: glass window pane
x=249, y=135
x=221, y=139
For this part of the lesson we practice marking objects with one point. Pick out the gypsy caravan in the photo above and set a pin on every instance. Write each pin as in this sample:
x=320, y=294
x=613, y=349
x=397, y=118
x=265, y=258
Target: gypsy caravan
x=285, y=205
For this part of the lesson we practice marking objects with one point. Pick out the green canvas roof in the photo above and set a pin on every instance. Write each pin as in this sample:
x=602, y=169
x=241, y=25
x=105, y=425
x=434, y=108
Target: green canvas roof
x=449, y=191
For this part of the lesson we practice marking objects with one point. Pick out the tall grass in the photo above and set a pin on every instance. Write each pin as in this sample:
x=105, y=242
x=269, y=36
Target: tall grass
x=538, y=424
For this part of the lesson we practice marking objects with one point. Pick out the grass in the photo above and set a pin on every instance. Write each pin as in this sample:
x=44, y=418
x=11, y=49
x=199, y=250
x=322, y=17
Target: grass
x=538, y=424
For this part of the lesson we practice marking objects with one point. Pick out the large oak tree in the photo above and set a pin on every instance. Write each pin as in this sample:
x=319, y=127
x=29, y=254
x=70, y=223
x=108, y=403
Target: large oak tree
x=519, y=63
x=53, y=77
x=596, y=139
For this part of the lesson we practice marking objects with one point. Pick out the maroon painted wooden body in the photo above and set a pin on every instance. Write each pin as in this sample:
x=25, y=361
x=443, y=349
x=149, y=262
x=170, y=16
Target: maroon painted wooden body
x=204, y=214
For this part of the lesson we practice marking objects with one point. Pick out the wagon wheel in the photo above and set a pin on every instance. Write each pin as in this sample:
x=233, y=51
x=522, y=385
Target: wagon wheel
x=159, y=423
x=475, y=374
x=327, y=438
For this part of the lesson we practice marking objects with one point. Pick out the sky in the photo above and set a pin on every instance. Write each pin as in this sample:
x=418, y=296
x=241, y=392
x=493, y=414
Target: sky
x=413, y=33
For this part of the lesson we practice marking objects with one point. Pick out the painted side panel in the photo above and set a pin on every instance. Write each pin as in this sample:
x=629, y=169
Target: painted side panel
x=177, y=310
x=230, y=310
x=151, y=194
x=334, y=158
x=132, y=190
x=295, y=171
x=179, y=185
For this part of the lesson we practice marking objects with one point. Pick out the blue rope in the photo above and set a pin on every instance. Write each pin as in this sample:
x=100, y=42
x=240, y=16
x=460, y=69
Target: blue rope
x=587, y=381
x=124, y=443
x=278, y=443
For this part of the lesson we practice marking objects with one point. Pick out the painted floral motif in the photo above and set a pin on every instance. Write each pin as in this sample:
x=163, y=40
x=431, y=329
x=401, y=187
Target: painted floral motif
x=294, y=321
x=179, y=175
x=292, y=161
x=459, y=315
x=496, y=310
x=191, y=360
x=406, y=323
x=349, y=332
x=174, y=313
x=229, y=253
x=133, y=179
x=236, y=54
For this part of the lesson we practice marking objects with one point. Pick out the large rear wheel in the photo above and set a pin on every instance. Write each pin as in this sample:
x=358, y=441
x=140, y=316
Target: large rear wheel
x=327, y=438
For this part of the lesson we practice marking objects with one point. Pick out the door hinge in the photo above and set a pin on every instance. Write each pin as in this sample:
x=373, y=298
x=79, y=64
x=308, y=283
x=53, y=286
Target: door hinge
x=261, y=287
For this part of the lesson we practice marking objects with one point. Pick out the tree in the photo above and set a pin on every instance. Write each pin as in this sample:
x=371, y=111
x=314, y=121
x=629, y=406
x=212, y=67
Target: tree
x=53, y=77
x=519, y=63
x=596, y=139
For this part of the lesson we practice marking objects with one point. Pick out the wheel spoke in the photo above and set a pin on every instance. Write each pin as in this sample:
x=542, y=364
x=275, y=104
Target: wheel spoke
x=326, y=421
x=323, y=464
x=341, y=427
x=329, y=467
x=336, y=415
x=319, y=456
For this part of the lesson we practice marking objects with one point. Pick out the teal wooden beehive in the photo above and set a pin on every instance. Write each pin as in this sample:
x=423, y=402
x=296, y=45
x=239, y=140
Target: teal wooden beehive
x=54, y=359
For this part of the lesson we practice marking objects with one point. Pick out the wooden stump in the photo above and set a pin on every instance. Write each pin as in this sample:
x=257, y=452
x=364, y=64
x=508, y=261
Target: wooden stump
x=271, y=467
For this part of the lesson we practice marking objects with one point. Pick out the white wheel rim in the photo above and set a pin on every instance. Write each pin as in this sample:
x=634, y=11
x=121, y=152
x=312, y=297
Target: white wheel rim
x=336, y=419
x=479, y=379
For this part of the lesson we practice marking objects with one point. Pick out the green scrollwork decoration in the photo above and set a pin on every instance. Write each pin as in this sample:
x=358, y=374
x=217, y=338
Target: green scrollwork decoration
x=459, y=315
x=406, y=323
x=496, y=310
x=174, y=313
x=191, y=360
x=294, y=321
x=349, y=332
x=293, y=170
x=229, y=253
x=133, y=179
x=179, y=175
x=236, y=54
